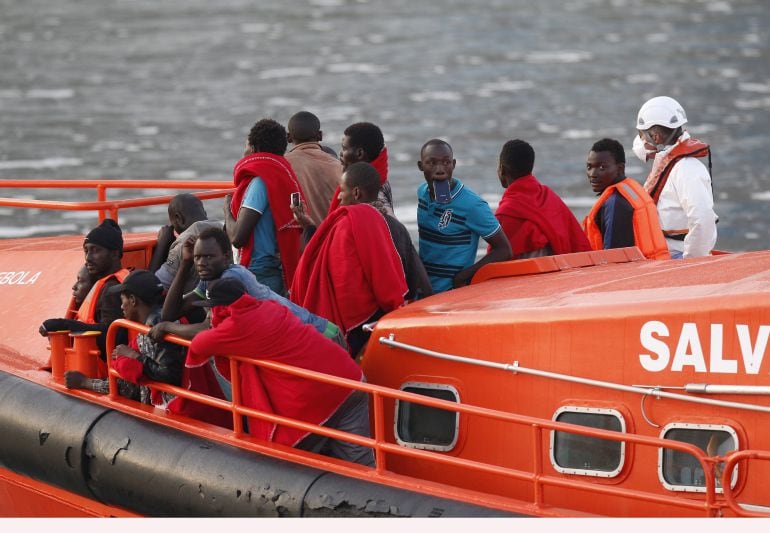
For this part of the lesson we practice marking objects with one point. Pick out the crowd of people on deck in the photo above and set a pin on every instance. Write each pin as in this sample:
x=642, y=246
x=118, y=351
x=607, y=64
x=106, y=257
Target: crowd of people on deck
x=308, y=251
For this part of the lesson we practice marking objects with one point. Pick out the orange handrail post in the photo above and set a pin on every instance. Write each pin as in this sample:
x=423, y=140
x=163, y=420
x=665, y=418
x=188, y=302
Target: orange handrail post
x=101, y=196
x=379, y=432
x=235, y=382
x=537, y=466
x=84, y=353
x=58, y=342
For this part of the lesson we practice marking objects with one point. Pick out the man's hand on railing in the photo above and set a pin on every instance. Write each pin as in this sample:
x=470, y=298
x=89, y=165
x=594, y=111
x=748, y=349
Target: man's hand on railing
x=158, y=331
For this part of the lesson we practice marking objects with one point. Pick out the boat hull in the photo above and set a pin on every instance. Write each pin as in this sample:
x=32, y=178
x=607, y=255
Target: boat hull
x=62, y=456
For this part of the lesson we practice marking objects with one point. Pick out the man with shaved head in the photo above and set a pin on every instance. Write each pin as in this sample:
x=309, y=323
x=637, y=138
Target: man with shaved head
x=318, y=173
x=187, y=218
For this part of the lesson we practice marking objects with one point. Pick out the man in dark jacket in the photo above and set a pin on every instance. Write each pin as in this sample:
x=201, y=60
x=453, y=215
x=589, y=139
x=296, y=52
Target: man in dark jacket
x=140, y=295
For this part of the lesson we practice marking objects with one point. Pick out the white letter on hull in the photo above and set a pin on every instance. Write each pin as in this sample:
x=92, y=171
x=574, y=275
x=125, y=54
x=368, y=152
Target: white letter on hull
x=694, y=356
x=752, y=358
x=656, y=346
x=716, y=363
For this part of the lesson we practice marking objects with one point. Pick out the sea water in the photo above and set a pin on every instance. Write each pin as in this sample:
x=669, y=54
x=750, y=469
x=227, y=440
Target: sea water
x=146, y=89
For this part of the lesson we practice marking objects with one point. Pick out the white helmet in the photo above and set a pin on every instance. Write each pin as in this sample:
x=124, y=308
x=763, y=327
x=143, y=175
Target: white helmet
x=661, y=111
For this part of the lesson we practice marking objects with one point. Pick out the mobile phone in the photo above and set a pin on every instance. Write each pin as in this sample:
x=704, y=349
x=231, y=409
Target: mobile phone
x=441, y=191
x=295, y=200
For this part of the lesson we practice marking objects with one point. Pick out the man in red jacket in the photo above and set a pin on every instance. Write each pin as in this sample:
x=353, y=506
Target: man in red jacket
x=536, y=221
x=266, y=330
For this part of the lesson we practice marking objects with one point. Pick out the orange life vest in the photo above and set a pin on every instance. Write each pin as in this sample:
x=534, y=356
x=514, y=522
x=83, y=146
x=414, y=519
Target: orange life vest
x=662, y=168
x=647, y=233
x=87, y=311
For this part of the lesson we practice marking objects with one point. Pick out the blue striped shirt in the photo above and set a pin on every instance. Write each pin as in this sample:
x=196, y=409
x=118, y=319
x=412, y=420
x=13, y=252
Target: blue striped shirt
x=449, y=233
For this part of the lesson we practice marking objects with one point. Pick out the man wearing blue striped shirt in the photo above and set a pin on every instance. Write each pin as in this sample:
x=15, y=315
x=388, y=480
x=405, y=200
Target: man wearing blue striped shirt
x=450, y=219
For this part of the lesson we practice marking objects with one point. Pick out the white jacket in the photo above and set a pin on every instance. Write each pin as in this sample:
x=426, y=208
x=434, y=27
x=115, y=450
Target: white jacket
x=687, y=205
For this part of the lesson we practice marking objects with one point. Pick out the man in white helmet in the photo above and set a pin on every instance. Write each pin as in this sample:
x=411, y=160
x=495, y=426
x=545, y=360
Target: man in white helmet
x=679, y=183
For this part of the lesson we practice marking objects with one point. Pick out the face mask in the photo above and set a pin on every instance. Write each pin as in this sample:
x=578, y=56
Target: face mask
x=642, y=153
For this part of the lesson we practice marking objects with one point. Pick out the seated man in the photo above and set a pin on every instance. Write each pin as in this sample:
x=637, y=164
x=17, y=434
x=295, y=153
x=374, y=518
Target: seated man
x=258, y=219
x=350, y=271
x=103, y=249
x=363, y=141
x=361, y=185
x=263, y=329
x=451, y=222
x=140, y=295
x=187, y=218
x=83, y=283
x=536, y=221
x=624, y=214
x=318, y=173
x=211, y=255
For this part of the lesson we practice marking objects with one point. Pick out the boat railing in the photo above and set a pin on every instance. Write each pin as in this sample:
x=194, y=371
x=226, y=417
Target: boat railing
x=537, y=476
x=110, y=208
x=729, y=466
x=652, y=391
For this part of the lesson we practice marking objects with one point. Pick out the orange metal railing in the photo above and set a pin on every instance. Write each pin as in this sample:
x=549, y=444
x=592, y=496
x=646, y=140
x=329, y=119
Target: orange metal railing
x=733, y=459
x=109, y=207
x=537, y=476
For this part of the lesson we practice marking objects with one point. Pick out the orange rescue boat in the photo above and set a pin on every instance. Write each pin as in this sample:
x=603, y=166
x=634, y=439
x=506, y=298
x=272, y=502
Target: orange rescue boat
x=591, y=384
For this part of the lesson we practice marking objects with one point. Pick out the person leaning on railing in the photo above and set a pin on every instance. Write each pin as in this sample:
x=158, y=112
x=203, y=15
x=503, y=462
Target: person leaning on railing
x=103, y=250
x=267, y=330
x=142, y=359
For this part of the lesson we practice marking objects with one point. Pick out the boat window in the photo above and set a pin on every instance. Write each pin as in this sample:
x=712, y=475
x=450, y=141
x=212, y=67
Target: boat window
x=681, y=471
x=424, y=427
x=584, y=455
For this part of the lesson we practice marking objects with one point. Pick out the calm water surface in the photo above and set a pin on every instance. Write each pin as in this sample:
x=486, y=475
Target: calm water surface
x=146, y=89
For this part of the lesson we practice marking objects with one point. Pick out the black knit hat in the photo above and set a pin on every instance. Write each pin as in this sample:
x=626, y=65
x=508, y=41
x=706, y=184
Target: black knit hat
x=222, y=291
x=107, y=235
x=141, y=283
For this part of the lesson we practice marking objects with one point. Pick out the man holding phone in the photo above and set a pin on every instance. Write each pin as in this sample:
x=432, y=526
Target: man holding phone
x=450, y=219
x=258, y=218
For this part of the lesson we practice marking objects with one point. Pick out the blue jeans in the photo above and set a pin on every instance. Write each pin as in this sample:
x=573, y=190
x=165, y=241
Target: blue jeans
x=271, y=278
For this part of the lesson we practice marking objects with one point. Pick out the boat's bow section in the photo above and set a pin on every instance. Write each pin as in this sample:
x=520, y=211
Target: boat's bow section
x=36, y=278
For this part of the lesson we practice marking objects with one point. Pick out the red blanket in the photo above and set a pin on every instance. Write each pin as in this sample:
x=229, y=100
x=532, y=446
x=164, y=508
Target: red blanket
x=263, y=329
x=532, y=215
x=380, y=164
x=280, y=182
x=350, y=268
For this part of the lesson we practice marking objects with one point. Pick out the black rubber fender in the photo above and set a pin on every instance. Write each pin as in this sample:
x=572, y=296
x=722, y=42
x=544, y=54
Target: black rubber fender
x=334, y=495
x=44, y=433
x=158, y=471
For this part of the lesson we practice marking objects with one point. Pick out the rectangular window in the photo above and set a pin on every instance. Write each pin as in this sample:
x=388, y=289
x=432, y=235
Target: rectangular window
x=681, y=471
x=424, y=427
x=583, y=455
